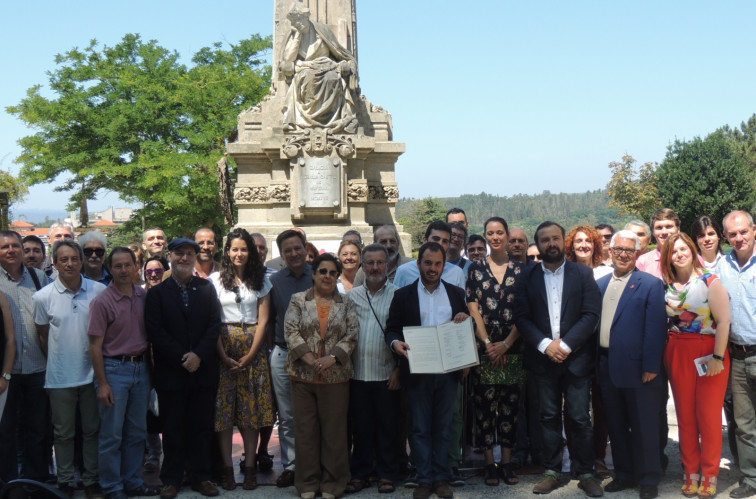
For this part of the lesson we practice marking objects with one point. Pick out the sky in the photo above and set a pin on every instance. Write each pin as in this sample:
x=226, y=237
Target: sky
x=493, y=96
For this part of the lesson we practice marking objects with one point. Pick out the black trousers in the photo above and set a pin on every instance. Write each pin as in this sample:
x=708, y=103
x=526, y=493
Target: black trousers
x=186, y=412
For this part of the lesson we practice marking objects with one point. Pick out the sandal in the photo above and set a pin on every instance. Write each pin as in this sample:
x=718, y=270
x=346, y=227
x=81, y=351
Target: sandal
x=491, y=475
x=143, y=491
x=690, y=487
x=354, y=485
x=386, y=486
x=250, y=479
x=708, y=488
x=264, y=462
x=508, y=474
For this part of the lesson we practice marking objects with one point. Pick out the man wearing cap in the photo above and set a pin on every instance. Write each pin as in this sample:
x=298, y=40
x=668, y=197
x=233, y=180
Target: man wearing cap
x=182, y=318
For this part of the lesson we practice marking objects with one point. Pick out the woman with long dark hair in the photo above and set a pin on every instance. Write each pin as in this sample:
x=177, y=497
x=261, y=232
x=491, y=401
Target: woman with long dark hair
x=245, y=398
x=708, y=237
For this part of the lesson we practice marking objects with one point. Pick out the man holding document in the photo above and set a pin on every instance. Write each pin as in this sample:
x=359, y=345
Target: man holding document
x=431, y=396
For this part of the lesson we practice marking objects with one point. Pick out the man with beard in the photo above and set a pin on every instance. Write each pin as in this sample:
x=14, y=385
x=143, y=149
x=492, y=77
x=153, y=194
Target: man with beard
x=182, y=318
x=388, y=237
x=205, y=238
x=34, y=252
x=374, y=390
x=557, y=306
x=439, y=232
x=428, y=301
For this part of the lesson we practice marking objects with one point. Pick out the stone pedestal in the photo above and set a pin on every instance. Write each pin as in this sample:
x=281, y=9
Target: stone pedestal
x=323, y=179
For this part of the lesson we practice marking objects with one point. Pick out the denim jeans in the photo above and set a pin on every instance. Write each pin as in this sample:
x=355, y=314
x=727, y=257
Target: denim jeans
x=576, y=392
x=123, y=426
x=26, y=414
x=743, y=379
x=432, y=400
x=282, y=389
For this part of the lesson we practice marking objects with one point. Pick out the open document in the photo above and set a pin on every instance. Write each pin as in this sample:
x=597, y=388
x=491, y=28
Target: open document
x=441, y=349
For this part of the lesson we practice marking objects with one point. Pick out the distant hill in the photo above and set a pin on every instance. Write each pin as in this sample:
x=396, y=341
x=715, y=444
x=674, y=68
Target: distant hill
x=37, y=215
x=527, y=211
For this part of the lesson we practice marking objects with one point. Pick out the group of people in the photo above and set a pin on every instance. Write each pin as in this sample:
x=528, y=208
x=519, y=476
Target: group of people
x=578, y=336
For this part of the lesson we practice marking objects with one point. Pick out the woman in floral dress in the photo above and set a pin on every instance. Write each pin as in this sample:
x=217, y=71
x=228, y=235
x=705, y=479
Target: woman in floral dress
x=490, y=297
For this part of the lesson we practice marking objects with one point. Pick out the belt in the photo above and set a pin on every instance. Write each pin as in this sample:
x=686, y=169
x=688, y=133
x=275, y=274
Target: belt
x=128, y=358
x=603, y=351
x=741, y=352
x=243, y=325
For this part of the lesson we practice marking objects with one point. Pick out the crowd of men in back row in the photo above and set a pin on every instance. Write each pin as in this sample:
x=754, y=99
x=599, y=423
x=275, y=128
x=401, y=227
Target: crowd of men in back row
x=67, y=290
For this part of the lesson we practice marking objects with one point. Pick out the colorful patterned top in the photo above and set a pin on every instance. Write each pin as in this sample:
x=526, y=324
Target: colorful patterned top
x=688, y=309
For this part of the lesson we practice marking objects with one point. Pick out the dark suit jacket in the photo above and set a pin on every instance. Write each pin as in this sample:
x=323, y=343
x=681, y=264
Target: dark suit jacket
x=581, y=305
x=639, y=331
x=174, y=332
x=405, y=311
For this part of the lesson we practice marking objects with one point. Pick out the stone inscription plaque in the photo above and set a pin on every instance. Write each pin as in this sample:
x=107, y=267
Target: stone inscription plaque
x=319, y=183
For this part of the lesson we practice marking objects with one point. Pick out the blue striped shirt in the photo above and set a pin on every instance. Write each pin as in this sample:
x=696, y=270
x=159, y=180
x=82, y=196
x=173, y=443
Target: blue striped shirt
x=372, y=359
x=741, y=285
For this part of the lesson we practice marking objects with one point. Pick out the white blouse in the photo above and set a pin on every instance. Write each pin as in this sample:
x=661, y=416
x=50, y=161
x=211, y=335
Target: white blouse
x=246, y=309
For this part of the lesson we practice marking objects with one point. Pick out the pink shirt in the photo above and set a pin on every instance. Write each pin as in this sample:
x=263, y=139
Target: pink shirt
x=650, y=263
x=120, y=319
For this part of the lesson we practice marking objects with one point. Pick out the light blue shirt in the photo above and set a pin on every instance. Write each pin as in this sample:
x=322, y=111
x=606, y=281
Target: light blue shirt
x=372, y=358
x=409, y=272
x=741, y=285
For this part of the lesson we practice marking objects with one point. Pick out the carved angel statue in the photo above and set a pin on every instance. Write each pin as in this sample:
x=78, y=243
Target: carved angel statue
x=323, y=75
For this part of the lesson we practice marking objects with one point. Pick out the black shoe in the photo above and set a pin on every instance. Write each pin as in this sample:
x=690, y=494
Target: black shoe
x=616, y=485
x=457, y=480
x=411, y=481
x=648, y=492
x=744, y=490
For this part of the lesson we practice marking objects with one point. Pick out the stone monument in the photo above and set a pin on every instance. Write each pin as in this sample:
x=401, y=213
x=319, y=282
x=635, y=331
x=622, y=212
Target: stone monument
x=315, y=153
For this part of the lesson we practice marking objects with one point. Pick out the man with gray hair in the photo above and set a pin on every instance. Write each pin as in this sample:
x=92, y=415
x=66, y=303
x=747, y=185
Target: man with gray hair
x=94, y=245
x=633, y=319
x=153, y=242
x=737, y=271
x=388, y=236
x=642, y=230
x=58, y=232
x=61, y=313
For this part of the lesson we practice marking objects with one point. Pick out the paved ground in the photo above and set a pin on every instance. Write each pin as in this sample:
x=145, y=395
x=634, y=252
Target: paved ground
x=670, y=486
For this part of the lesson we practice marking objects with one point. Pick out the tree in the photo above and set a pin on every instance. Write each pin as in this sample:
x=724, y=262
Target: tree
x=633, y=191
x=133, y=120
x=744, y=140
x=15, y=187
x=421, y=213
x=705, y=177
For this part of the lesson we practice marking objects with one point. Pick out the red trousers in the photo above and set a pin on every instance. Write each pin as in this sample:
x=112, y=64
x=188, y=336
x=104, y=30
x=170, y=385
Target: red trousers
x=698, y=402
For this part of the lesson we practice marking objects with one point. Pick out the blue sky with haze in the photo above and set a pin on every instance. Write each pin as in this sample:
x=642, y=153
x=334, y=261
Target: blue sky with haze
x=497, y=96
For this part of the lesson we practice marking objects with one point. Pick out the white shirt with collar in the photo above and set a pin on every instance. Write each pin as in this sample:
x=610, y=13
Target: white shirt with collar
x=435, y=307
x=554, y=282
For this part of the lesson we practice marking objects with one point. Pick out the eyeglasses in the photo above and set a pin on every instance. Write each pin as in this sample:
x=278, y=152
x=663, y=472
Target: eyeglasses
x=332, y=273
x=459, y=237
x=94, y=251
x=621, y=251
x=157, y=272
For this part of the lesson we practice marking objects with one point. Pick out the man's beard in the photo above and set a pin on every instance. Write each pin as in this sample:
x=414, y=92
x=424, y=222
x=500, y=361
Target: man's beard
x=551, y=258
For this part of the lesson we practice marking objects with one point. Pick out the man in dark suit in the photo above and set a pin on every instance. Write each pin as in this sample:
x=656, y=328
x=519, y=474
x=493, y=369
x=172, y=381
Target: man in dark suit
x=632, y=337
x=429, y=301
x=557, y=307
x=182, y=317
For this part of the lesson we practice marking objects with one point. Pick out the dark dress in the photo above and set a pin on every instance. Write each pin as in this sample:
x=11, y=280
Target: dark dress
x=496, y=390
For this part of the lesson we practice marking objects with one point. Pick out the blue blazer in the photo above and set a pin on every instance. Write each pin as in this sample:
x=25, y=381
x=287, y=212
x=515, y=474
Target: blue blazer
x=581, y=306
x=638, y=332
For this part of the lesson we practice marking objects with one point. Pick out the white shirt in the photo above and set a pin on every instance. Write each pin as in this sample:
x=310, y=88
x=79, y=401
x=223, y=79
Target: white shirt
x=554, y=282
x=435, y=307
x=67, y=313
x=246, y=310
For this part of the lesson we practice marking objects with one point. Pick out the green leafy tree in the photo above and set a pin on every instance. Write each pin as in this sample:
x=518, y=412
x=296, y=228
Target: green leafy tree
x=419, y=214
x=133, y=120
x=743, y=140
x=633, y=191
x=17, y=190
x=705, y=177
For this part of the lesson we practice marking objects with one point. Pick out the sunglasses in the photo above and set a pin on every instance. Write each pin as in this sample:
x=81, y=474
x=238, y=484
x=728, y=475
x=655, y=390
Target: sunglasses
x=332, y=273
x=157, y=272
x=238, y=294
x=94, y=251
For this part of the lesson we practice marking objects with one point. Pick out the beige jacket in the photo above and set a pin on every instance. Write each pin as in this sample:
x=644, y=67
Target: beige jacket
x=302, y=332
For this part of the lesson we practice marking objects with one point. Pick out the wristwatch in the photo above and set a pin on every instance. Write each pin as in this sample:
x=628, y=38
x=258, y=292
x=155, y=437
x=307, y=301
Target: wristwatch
x=7, y=376
x=487, y=341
